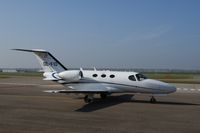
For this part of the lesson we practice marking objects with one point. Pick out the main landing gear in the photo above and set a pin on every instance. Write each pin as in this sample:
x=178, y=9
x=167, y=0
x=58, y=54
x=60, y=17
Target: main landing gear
x=153, y=100
x=103, y=95
x=90, y=97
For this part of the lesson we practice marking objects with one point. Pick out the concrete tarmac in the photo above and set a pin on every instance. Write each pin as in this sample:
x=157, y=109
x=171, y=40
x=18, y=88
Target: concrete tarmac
x=25, y=108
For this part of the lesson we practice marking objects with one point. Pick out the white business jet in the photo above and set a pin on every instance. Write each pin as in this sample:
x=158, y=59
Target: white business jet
x=91, y=82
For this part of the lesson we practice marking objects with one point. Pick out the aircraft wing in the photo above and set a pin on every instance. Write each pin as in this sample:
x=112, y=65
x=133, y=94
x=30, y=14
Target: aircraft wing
x=82, y=88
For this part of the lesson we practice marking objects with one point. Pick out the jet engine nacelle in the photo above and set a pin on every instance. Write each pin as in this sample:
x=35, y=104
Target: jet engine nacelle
x=71, y=75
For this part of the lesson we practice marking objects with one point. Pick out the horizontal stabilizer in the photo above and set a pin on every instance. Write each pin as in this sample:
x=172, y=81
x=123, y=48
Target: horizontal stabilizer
x=32, y=50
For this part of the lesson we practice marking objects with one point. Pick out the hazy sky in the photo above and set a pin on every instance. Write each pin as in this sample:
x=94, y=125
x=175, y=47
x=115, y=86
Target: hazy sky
x=102, y=33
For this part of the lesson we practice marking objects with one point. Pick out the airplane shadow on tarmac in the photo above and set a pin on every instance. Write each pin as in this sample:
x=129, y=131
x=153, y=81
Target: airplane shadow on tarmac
x=126, y=98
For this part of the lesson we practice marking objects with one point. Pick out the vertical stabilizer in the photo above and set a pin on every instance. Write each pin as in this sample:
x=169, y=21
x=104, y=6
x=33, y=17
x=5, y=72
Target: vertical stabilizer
x=47, y=61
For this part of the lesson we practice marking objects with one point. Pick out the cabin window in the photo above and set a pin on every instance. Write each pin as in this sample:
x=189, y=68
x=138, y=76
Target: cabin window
x=103, y=75
x=132, y=78
x=112, y=76
x=140, y=77
x=94, y=75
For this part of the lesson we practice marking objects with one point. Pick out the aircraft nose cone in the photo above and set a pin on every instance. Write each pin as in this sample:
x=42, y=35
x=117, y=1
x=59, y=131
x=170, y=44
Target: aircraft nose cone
x=171, y=88
x=162, y=86
x=168, y=88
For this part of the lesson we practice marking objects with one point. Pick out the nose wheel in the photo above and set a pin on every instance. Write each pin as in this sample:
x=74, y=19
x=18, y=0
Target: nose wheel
x=153, y=100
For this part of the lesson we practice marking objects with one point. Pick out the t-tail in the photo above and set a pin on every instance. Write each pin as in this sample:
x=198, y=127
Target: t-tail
x=50, y=65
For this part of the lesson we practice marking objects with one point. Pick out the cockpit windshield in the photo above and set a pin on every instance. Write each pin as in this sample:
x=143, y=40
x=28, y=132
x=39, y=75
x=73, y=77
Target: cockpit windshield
x=140, y=77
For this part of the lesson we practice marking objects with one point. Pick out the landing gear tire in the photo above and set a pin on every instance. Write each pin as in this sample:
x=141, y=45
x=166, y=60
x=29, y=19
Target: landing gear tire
x=153, y=100
x=88, y=99
x=103, y=95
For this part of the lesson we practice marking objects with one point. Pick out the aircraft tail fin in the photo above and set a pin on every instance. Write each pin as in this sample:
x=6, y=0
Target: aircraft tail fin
x=47, y=61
